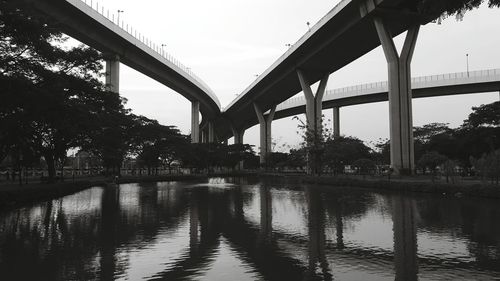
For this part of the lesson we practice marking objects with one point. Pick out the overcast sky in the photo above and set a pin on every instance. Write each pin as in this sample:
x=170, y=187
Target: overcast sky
x=227, y=42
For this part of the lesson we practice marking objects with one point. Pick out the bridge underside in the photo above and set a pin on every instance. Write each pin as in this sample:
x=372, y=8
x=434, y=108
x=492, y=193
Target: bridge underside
x=103, y=35
x=382, y=96
x=344, y=36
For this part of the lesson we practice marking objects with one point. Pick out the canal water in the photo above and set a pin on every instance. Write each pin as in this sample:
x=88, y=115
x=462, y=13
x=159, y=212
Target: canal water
x=244, y=229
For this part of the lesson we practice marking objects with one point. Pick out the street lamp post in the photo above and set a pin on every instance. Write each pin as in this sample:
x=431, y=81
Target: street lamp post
x=467, y=59
x=162, y=50
x=118, y=19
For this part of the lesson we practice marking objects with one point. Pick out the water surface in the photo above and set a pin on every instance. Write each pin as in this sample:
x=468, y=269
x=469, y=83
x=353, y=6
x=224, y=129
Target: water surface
x=243, y=229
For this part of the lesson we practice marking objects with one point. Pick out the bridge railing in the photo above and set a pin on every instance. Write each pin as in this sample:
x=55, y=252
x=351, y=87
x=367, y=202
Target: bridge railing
x=153, y=49
x=417, y=83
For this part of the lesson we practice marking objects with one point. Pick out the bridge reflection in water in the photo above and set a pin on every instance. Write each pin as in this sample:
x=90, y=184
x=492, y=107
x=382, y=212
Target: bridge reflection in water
x=244, y=230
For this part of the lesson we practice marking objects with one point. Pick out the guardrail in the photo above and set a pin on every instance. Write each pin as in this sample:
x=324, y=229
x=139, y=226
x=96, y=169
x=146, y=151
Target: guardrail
x=456, y=78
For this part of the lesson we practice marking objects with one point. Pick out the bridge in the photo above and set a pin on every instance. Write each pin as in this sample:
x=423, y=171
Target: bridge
x=347, y=32
x=350, y=30
x=459, y=83
x=96, y=27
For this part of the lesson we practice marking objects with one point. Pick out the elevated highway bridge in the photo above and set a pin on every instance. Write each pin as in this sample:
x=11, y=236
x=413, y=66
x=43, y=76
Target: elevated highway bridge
x=473, y=82
x=94, y=26
x=347, y=32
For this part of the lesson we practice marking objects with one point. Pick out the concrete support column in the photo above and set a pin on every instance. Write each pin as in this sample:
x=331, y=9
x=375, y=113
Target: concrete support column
x=265, y=131
x=204, y=136
x=400, y=97
x=238, y=139
x=336, y=121
x=211, y=132
x=313, y=114
x=195, y=122
x=113, y=74
x=238, y=135
x=314, y=103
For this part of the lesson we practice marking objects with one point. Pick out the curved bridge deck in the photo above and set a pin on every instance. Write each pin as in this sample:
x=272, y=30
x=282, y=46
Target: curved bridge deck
x=92, y=26
x=480, y=81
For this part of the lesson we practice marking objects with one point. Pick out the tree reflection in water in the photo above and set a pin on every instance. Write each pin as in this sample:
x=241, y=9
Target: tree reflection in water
x=303, y=233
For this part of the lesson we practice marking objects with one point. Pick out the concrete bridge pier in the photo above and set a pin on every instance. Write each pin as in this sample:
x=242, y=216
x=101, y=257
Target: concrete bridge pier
x=238, y=135
x=113, y=73
x=400, y=96
x=238, y=139
x=195, y=122
x=208, y=132
x=265, y=132
x=211, y=132
x=314, y=103
x=204, y=136
x=336, y=122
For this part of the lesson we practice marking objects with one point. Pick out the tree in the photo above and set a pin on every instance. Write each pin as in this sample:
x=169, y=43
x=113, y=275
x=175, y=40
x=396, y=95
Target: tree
x=155, y=144
x=51, y=92
x=445, y=8
x=364, y=166
x=488, y=166
x=449, y=167
x=431, y=160
x=238, y=153
x=341, y=151
x=484, y=116
x=425, y=133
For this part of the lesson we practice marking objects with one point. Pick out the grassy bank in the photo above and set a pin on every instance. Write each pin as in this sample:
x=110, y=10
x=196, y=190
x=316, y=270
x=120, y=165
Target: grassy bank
x=410, y=185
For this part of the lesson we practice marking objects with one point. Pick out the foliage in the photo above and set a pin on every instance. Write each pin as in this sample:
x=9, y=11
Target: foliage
x=212, y=155
x=445, y=8
x=50, y=94
x=341, y=151
x=155, y=144
x=313, y=144
x=484, y=116
x=365, y=166
x=488, y=166
x=425, y=133
x=431, y=160
x=448, y=168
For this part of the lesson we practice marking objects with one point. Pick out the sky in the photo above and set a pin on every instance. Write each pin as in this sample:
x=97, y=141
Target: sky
x=228, y=42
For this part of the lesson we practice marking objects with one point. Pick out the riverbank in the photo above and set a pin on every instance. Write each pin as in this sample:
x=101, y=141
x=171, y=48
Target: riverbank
x=14, y=195
x=410, y=184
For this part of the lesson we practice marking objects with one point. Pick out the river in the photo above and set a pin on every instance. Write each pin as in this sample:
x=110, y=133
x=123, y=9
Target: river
x=249, y=229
